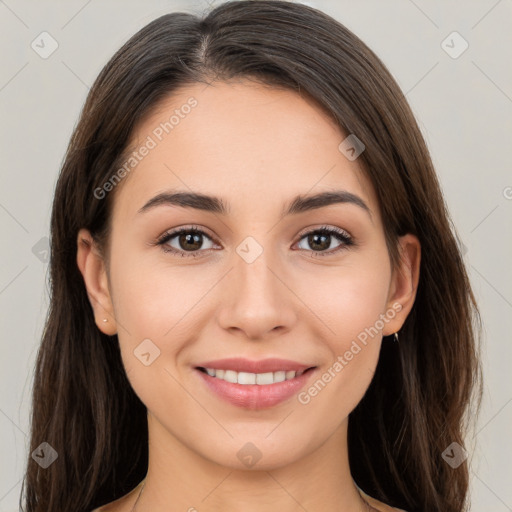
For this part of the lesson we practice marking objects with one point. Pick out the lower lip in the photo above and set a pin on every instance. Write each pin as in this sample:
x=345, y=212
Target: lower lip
x=255, y=396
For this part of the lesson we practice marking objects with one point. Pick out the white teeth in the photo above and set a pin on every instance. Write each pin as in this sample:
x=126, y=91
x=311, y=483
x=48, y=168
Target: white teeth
x=246, y=378
x=279, y=376
x=261, y=379
x=231, y=376
x=265, y=378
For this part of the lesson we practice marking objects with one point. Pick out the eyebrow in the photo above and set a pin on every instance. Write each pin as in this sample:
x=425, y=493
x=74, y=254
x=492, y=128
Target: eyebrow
x=213, y=204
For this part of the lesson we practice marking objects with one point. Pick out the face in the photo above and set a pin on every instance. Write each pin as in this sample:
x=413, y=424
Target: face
x=264, y=276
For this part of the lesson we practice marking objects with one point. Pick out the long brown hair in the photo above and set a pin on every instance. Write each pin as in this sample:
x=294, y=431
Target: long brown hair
x=425, y=388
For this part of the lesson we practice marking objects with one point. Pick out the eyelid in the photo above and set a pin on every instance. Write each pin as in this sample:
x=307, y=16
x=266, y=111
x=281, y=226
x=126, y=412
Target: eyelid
x=192, y=227
x=323, y=227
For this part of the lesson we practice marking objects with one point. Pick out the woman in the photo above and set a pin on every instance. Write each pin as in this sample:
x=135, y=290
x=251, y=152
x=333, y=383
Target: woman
x=258, y=301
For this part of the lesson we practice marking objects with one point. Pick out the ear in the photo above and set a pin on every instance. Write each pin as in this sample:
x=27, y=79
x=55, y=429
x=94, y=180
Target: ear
x=92, y=266
x=404, y=283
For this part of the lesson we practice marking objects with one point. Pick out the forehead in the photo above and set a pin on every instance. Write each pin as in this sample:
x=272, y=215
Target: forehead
x=248, y=142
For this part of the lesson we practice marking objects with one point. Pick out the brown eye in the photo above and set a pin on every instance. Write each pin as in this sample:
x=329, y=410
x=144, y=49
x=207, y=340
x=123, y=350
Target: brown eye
x=189, y=241
x=185, y=240
x=321, y=240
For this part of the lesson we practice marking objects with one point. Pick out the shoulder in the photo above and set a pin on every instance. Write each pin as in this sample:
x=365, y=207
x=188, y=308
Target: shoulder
x=381, y=507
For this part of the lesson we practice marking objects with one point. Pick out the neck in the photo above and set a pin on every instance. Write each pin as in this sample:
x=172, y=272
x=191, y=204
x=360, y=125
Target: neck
x=181, y=479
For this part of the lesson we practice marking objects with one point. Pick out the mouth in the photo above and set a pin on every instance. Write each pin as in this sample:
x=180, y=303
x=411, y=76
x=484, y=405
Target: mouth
x=255, y=389
x=248, y=378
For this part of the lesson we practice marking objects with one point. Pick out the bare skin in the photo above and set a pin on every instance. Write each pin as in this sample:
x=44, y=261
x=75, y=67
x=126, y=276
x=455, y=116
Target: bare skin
x=256, y=148
x=129, y=501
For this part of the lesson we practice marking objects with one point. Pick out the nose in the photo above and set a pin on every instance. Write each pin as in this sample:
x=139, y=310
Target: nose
x=257, y=301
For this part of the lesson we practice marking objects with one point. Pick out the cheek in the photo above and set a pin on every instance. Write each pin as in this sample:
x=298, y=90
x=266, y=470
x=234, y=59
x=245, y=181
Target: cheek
x=359, y=303
x=164, y=303
x=351, y=313
x=152, y=297
x=348, y=299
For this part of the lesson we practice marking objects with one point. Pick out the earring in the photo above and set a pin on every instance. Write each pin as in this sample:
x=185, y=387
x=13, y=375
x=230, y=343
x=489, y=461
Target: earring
x=396, y=337
x=105, y=320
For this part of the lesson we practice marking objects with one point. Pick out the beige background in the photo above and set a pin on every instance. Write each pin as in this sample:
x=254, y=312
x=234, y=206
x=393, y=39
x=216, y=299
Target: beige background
x=464, y=106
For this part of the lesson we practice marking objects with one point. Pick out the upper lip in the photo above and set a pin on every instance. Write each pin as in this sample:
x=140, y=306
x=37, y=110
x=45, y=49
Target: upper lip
x=240, y=364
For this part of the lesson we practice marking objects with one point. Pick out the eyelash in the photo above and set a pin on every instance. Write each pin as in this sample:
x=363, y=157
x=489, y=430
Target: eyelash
x=339, y=234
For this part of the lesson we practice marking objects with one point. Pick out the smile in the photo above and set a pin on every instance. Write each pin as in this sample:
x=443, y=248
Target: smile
x=246, y=378
x=253, y=384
